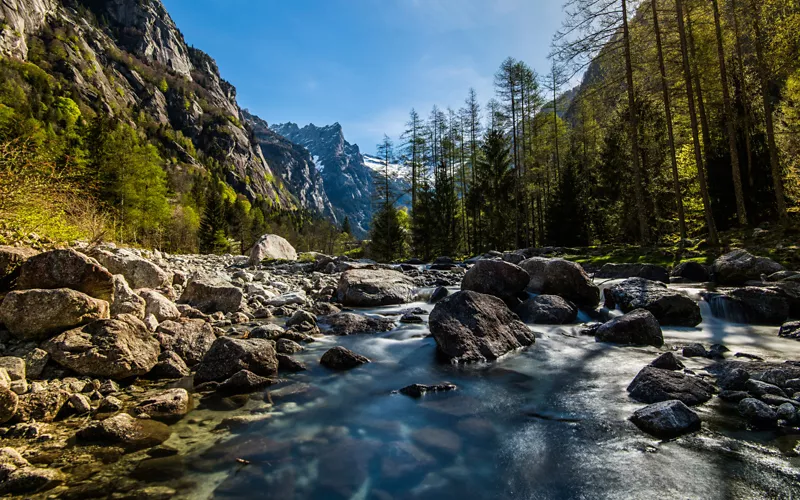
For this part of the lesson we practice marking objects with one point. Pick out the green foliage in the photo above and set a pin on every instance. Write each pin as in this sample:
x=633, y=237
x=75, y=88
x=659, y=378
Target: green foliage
x=387, y=238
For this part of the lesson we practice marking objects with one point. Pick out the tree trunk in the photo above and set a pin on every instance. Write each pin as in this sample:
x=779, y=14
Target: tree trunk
x=743, y=91
x=701, y=105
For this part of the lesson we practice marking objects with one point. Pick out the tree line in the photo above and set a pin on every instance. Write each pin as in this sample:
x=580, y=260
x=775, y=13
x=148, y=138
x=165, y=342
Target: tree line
x=685, y=124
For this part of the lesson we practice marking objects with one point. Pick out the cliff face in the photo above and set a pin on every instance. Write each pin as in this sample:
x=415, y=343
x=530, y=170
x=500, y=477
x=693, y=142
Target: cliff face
x=126, y=57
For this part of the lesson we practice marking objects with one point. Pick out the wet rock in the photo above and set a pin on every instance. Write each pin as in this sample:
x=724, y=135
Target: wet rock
x=271, y=247
x=632, y=270
x=438, y=294
x=739, y=267
x=374, y=287
x=112, y=348
x=159, y=306
x=298, y=298
x=27, y=480
x=692, y=271
x=751, y=305
x=286, y=346
x=227, y=356
x=790, y=330
x=547, y=310
x=124, y=430
x=667, y=419
x=188, y=338
x=757, y=413
x=419, y=390
x=654, y=385
x=287, y=363
x=759, y=388
x=126, y=301
x=138, y=272
x=670, y=307
x=733, y=396
x=472, y=327
x=169, y=366
x=717, y=351
x=80, y=404
x=639, y=327
x=39, y=314
x=109, y=404
x=243, y=381
x=563, y=278
x=300, y=317
x=667, y=361
x=211, y=295
x=494, y=277
x=169, y=405
x=9, y=402
x=411, y=318
x=787, y=412
x=41, y=406
x=345, y=323
x=66, y=269
x=695, y=351
x=733, y=380
x=339, y=358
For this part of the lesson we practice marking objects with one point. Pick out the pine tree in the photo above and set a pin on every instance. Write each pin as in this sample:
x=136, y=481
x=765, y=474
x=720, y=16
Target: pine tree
x=213, y=239
x=346, y=229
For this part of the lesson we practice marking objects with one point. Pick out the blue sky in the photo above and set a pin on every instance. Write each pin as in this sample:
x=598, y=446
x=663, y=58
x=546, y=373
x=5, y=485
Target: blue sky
x=364, y=63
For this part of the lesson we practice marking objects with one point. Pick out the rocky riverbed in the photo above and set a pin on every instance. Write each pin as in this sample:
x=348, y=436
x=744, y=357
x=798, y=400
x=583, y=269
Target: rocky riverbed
x=130, y=374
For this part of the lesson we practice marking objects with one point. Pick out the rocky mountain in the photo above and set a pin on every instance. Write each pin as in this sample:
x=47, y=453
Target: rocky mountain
x=347, y=180
x=294, y=165
x=399, y=184
x=127, y=59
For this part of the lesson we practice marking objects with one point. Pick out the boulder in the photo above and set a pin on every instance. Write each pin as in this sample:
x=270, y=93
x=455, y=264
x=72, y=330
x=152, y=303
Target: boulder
x=227, y=356
x=472, y=327
x=758, y=413
x=125, y=431
x=790, y=330
x=692, y=271
x=563, y=278
x=670, y=307
x=750, y=305
x=638, y=327
x=345, y=323
x=111, y=348
x=299, y=317
x=169, y=366
x=126, y=301
x=41, y=406
x=621, y=271
x=271, y=247
x=374, y=287
x=159, y=306
x=438, y=294
x=27, y=480
x=39, y=314
x=188, y=338
x=13, y=257
x=211, y=295
x=243, y=381
x=653, y=385
x=169, y=405
x=66, y=269
x=694, y=351
x=738, y=267
x=501, y=279
x=667, y=361
x=286, y=346
x=9, y=402
x=547, y=310
x=667, y=419
x=287, y=363
x=339, y=358
x=35, y=362
x=419, y=390
x=138, y=272
x=733, y=379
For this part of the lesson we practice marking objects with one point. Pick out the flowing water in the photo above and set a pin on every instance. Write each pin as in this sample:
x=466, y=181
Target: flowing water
x=547, y=422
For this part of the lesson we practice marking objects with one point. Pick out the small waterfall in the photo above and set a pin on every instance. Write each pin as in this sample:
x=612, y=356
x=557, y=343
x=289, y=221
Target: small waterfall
x=724, y=308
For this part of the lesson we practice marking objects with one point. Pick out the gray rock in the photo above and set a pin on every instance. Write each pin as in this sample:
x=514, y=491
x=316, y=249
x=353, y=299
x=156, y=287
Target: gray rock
x=503, y=280
x=112, y=348
x=13, y=257
x=787, y=411
x=109, y=404
x=39, y=314
x=188, y=338
x=169, y=405
x=733, y=396
x=138, y=272
x=268, y=332
x=212, y=295
x=759, y=388
x=80, y=404
x=692, y=271
x=227, y=356
x=287, y=363
x=739, y=267
x=27, y=480
x=271, y=247
x=670, y=307
x=733, y=380
x=299, y=317
x=374, y=287
x=547, y=310
x=286, y=346
x=345, y=323
x=757, y=413
x=667, y=361
x=666, y=419
x=41, y=406
x=339, y=358
x=66, y=269
x=790, y=330
x=419, y=390
x=563, y=278
x=124, y=430
x=438, y=294
x=653, y=385
x=159, y=306
x=35, y=361
x=472, y=327
x=169, y=366
x=638, y=327
x=752, y=305
x=243, y=381
x=621, y=271
x=694, y=351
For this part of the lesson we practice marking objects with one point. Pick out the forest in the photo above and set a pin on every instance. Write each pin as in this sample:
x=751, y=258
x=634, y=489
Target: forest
x=684, y=126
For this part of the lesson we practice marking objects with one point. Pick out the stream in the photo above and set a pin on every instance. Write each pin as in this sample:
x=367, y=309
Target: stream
x=549, y=422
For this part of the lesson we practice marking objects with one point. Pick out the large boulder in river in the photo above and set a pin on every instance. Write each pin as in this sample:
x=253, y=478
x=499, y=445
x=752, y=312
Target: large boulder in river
x=563, y=278
x=472, y=327
x=125, y=431
x=667, y=419
x=653, y=385
x=750, y=305
x=227, y=356
x=374, y=287
x=211, y=295
x=271, y=247
x=547, y=310
x=39, y=314
x=190, y=339
x=739, y=266
x=670, y=307
x=66, y=269
x=340, y=358
x=691, y=271
x=638, y=327
x=138, y=272
x=790, y=330
x=496, y=277
x=111, y=348
x=345, y=323
x=622, y=271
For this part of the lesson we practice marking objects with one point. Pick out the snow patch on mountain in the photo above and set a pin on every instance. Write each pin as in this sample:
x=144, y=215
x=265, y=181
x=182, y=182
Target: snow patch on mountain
x=377, y=165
